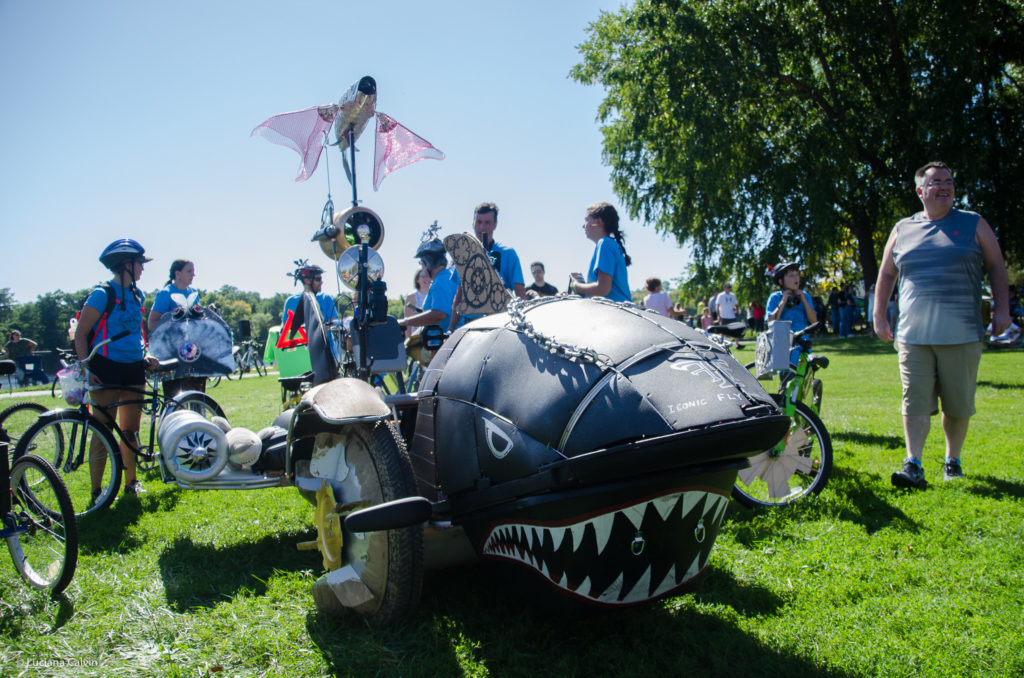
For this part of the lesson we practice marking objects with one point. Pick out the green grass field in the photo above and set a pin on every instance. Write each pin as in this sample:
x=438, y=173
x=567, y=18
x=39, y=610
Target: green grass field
x=862, y=580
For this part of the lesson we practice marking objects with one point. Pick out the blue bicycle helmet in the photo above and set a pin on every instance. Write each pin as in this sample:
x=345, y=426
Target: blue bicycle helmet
x=120, y=251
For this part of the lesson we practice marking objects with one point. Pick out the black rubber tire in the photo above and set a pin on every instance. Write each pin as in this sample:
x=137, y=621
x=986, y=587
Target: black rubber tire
x=55, y=389
x=16, y=419
x=58, y=437
x=261, y=369
x=390, y=563
x=46, y=553
x=818, y=448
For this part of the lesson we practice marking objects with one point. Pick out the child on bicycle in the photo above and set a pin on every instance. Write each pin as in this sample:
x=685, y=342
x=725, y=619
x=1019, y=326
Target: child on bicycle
x=789, y=302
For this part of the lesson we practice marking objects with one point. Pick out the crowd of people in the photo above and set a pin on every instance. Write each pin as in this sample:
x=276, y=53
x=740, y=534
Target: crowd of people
x=936, y=256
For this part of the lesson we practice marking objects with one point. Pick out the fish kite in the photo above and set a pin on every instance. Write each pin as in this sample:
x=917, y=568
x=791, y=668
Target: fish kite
x=305, y=132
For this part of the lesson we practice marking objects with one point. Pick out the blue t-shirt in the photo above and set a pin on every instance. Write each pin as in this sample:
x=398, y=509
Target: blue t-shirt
x=126, y=315
x=327, y=310
x=795, y=314
x=508, y=265
x=441, y=294
x=162, y=302
x=608, y=258
x=326, y=304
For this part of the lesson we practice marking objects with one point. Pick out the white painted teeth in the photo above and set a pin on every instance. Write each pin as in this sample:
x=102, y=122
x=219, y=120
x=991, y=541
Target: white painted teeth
x=523, y=542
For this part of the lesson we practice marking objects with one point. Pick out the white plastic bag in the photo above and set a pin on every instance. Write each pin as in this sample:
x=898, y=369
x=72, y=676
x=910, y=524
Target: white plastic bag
x=74, y=384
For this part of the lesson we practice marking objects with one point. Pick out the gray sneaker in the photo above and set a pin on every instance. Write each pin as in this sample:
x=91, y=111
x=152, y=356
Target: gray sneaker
x=911, y=475
x=951, y=470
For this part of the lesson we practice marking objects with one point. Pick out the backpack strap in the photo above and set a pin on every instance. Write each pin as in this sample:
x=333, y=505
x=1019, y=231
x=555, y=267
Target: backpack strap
x=99, y=332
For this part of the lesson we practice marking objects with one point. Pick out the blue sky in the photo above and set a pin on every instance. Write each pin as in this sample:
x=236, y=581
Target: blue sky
x=133, y=119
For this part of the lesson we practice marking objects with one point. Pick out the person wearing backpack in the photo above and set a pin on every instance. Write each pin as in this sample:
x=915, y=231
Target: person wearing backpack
x=114, y=311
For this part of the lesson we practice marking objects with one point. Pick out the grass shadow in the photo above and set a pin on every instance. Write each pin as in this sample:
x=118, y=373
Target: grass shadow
x=199, y=576
x=470, y=623
x=850, y=495
x=1000, y=385
x=995, y=488
x=107, y=531
x=892, y=442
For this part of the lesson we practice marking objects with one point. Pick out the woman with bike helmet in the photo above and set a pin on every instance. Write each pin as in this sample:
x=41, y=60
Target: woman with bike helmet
x=437, y=306
x=114, y=311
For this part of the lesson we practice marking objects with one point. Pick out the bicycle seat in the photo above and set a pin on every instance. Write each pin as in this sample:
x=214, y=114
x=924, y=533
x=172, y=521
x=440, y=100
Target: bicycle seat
x=7, y=367
x=168, y=365
x=818, y=362
x=293, y=383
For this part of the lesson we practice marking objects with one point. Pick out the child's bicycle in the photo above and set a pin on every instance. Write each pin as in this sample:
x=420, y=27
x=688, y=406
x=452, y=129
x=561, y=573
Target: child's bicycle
x=800, y=464
x=38, y=521
x=84, y=448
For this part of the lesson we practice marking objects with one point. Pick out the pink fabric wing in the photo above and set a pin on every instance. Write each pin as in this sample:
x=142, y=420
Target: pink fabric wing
x=397, y=147
x=303, y=131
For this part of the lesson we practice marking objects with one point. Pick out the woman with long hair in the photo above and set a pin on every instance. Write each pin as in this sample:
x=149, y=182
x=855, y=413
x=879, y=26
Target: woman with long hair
x=607, y=275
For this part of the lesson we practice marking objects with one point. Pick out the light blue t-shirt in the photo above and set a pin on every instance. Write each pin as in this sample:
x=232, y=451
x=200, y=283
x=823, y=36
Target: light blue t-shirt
x=794, y=313
x=326, y=304
x=509, y=269
x=126, y=315
x=608, y=258
x=441, y=294
x=162, y=302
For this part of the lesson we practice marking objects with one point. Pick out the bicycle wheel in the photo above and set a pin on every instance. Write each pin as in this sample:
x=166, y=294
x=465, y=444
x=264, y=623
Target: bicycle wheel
x=79, y=447
x=261, y=369
x=55, y=389
x=374, y=467
x=16, y=419
x=196, y=401
x=45, y=546
x=797, y=467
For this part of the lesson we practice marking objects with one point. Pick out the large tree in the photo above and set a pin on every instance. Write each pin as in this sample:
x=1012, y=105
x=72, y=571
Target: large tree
x=759, y=130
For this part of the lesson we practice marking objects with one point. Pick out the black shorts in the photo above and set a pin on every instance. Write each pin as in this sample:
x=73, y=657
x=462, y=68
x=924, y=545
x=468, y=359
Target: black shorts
x=112, y=373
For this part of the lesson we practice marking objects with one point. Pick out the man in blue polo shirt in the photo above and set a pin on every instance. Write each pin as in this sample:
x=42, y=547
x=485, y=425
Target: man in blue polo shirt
x=505, y=259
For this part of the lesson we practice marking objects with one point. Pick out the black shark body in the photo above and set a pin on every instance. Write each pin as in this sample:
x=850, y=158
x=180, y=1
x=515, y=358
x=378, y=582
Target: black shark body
x=590, y=444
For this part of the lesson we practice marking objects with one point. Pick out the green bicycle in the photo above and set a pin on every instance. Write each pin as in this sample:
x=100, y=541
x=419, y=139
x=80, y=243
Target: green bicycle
x=800, y=464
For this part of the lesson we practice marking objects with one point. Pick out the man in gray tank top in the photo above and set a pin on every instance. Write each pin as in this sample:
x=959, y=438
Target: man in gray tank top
x=938, y=255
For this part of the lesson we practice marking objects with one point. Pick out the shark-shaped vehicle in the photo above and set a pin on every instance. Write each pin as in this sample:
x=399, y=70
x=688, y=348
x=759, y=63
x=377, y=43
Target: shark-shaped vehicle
x=584, y=448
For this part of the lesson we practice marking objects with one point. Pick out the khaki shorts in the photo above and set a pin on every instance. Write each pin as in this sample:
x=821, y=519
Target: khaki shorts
x=934, y=372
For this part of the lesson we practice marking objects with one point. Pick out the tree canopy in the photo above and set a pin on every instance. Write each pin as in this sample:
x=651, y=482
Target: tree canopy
x=766, y=130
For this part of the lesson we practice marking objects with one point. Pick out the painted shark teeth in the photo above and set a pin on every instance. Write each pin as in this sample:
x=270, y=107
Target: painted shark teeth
x=592, y=558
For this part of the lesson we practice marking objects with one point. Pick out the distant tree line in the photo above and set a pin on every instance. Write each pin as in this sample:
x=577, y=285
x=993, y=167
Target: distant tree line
x=45, y=320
